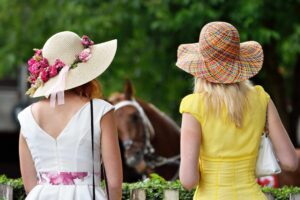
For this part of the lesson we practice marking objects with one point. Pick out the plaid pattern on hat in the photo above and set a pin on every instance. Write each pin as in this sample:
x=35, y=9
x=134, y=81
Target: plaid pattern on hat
x=219, y=57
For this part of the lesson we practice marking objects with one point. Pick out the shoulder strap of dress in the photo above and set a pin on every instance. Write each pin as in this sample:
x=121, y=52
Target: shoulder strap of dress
x=24, y=118
x=101, y=107
x=92, y=135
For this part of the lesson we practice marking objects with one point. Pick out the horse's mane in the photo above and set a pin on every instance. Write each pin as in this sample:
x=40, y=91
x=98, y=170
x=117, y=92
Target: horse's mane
x=150, y=109
x=166, y=131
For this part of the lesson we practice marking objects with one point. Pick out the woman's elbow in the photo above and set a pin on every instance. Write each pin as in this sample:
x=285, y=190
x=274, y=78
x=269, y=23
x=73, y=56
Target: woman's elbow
x=188, y=182
x=291, y=165
x=295, y=164
x=115, y=184
x=188, y=185
x=28, y=185
x=27, y=189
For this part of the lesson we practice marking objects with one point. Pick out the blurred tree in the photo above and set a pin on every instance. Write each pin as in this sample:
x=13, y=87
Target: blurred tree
x=149, y=33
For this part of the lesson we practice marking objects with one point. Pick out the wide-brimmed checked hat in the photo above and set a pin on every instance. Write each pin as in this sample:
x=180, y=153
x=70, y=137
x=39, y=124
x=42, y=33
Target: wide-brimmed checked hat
x=219, y=57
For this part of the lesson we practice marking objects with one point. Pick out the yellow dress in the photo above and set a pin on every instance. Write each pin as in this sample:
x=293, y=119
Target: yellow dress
x=227, y=153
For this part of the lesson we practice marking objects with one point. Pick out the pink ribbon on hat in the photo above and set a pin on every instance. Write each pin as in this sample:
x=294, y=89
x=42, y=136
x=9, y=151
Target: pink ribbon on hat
x=58, y=89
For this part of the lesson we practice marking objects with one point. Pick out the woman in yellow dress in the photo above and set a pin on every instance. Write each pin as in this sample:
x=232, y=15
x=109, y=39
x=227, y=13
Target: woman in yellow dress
x=223, y=120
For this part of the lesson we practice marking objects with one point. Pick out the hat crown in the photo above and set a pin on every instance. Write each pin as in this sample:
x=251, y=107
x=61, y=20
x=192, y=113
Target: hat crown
x=64, y=46
x=218, y=40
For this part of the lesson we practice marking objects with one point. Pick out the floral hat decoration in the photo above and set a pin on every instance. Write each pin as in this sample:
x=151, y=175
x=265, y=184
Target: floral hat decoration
x=67, y=61
x=219, y=57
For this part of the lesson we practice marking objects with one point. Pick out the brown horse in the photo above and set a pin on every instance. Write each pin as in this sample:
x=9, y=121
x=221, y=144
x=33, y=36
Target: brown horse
x=150, y=139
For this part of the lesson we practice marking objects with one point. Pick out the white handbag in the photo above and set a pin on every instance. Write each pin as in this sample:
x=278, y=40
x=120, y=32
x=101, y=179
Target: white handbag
x=266, y=163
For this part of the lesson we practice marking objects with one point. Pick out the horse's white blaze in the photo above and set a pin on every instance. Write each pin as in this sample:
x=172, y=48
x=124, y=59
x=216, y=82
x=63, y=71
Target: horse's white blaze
x=139, y=108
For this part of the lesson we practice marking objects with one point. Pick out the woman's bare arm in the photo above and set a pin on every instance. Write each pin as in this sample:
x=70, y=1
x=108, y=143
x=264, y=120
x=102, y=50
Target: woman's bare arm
x=283, y=146
x=111, y=156
x=28, y=170
x=189, y=151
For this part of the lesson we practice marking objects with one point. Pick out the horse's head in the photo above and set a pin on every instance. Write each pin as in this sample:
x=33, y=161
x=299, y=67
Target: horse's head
x=134, y=128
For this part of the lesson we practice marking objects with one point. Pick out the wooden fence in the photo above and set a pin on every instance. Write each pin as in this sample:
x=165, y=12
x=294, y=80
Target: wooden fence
x=140, y=194
x=6, y=193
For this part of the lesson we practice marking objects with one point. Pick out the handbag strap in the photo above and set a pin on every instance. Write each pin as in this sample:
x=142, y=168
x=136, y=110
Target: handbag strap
x=104, y=174
x=266, y=131
x=103, y=168
x=92, y=135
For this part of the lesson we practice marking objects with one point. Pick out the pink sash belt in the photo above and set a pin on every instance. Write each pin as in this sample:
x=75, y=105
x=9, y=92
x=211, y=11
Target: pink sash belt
x=67, y=178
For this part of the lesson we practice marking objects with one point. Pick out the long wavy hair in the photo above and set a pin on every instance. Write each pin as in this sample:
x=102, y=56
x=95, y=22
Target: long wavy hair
x=233, y=97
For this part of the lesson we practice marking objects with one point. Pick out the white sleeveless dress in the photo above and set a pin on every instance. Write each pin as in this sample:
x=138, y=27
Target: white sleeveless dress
x=64, y=165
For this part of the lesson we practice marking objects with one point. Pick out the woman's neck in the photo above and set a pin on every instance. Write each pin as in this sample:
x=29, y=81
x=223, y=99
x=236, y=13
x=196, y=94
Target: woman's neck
x=71, y=96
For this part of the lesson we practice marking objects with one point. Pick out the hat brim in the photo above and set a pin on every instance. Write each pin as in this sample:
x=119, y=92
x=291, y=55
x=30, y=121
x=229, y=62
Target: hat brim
x=102, y=56
x=246, y=66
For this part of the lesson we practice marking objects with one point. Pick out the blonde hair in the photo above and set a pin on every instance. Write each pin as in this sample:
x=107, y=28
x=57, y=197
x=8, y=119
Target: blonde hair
x=89, y=90
x=233, y=97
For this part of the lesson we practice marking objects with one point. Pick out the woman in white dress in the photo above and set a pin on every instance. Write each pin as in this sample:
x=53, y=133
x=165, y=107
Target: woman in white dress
x=55, y=143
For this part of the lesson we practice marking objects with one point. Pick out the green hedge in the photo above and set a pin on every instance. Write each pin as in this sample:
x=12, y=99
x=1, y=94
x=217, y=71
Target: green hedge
x=282, y=193
x=154, y=187
x=17, y=184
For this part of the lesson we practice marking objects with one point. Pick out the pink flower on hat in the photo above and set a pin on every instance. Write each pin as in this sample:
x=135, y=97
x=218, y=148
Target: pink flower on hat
x=53, y=71
x=86, y=42
x=85, y=55
x=38, y=52
x=34, y=68
x=44, y=75
x=31, y=61
x=32, y=78
x=44, y=63
x=58, y=64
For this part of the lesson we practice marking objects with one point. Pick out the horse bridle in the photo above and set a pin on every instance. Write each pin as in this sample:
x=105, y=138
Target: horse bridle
x=148, y=150
x=148, y=128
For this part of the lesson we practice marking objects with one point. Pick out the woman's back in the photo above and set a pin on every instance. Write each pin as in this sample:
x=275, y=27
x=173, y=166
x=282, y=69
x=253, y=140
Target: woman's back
x=64, y=159
x=220, y=137
x=54, y=120
x=228, y=153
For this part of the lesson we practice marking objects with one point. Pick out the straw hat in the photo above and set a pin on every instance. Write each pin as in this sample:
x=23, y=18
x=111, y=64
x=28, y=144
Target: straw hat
x=219, y=57
x=66, y=48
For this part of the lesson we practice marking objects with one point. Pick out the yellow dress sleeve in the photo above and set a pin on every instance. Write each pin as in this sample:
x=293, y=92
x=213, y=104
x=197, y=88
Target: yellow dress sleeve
x=263, y=95
x=192, y=104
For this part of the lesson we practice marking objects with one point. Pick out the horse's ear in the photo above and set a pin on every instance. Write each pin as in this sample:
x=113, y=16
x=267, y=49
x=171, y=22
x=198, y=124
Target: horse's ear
x=128, y=90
